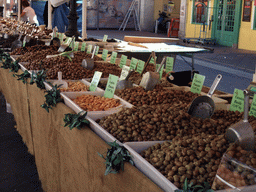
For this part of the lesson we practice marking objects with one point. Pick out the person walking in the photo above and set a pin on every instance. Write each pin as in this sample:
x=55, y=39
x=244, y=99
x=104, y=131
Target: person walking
x=29, y=13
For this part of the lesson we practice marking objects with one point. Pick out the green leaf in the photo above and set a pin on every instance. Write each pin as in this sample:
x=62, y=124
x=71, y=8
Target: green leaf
x=185, y=186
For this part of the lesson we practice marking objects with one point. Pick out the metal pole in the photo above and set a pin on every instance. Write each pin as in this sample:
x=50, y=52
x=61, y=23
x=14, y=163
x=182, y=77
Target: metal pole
x=84, y=17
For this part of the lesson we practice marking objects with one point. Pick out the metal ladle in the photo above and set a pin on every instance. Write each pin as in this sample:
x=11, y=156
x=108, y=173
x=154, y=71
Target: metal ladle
x=242, y=131
x=89, y=62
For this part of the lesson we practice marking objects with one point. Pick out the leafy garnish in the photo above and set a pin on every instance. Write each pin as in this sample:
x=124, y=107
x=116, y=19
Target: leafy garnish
x=39, y=78
x=52, y=98
x=115, y=158
x=198, y=188
x=76, y=120
x=23, y=77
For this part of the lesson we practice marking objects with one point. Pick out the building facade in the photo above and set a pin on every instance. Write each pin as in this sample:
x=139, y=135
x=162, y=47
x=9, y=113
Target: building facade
x=229, y=23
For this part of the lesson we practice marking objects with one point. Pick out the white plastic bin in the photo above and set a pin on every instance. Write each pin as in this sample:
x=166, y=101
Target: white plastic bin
x=145, y=167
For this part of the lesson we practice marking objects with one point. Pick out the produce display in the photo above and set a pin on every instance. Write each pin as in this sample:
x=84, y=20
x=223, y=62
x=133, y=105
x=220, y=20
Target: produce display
x=163, y=122
x=138, y=96
x=193, y=148
x=96, y=103
x=196, y=157
x=75, y=87
x=11, y=26
x=237, y=168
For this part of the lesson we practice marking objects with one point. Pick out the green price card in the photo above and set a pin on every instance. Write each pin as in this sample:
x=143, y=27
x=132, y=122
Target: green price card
x=95, y=80
x=252, y=111
x=140, y=66
x=169, y=64
x=71, y=45
x=24, y=41
x=83, y=46
x=104, y=54
x=111, y=86
x=237, y=102
x=123, y=61
x=133, y=63
x=97, y=50
x=68, y=40
x=76, y=46
x=161, y=70
x=113, y=57
x=61, y=37
x=89, y=48
x=57, y=34
x=197, y=83
x=105, y=37
x=124, y=72
x=152, y=60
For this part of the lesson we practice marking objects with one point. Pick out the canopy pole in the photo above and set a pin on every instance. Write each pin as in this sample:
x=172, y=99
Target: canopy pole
x=5, y=9
x=49, y=14
x=84, y=16
x=19, y=9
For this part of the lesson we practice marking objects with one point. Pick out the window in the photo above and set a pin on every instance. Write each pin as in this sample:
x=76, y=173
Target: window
x=247, y=10
x=200, y=11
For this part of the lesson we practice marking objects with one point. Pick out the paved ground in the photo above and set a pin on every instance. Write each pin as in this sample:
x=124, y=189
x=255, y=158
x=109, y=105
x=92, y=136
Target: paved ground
x=17, y=167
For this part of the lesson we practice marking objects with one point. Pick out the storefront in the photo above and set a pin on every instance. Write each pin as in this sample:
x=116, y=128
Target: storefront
x=229, y=23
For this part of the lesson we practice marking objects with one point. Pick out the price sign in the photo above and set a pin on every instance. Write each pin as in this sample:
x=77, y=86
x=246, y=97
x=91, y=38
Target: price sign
x=60, y=36
x=89, y=49
x=83, y=46
x=123, y=61
x=68, y=40
x=24, y=41
x=105, y=37
x=113, y=57
x=97, y=50
x=197, y=83
x=169, y=64
x=237, y=102
x=252, y=111
x=152, y=60
x=140, y=66
x=95, y=81
x=57, y=34
x=124, y=72
x=104, y=54
x=76, y=46
x=71, y=45
x=161, y=70
x=133, y=63
x=111, y=86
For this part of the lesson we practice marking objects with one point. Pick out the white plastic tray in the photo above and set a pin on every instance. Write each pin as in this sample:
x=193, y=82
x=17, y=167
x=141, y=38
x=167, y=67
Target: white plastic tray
x=145, y=167
x=14, y=57
x=84, y=82
x=94, y=115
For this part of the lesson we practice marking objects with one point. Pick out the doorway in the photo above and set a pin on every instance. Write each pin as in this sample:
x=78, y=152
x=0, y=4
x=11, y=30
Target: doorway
x=226, y=22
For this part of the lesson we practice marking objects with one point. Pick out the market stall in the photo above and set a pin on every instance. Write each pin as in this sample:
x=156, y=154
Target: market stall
x=169, y=147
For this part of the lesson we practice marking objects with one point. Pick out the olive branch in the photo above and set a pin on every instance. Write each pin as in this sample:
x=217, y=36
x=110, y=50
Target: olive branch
x=76, y=120
x=52, y=98
x=198, y=188
x=23, y=77
x=115, y=158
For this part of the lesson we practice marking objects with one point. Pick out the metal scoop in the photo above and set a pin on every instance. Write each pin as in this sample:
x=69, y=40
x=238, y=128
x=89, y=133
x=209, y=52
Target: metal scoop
x=68, y=53
x=64, y=46
x=123, y=84
x=89, y=62
x=63, y=84
x=150, y=79
x=203, y=106
x=242, y=131
x=17, y=43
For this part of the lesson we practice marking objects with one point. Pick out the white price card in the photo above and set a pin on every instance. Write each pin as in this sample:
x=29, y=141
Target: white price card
x=124, y=72
x=95, y=81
